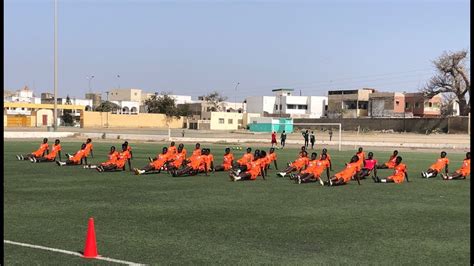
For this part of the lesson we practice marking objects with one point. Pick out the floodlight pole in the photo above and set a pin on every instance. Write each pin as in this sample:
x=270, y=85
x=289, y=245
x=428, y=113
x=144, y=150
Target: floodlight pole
x=55, y=113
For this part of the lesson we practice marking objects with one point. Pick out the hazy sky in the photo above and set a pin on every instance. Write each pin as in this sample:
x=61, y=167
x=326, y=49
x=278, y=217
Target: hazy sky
x=194, y=47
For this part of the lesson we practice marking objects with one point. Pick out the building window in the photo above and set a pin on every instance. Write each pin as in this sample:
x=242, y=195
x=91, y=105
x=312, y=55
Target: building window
x=290, y=106
x=417, y=105
x=407, y=105
x=302, y=107
x=240, y=121
x=397, y=102
x=221, y=120
x=230, y=121
x=280, y=106
x=276, y=106
x=135, y=94
x=430, y=104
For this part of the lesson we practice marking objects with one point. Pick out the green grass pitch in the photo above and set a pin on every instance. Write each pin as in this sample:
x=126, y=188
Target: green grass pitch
x=158, y=219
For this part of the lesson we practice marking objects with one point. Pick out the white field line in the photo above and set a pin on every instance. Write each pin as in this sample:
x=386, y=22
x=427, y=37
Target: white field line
x=69, y=252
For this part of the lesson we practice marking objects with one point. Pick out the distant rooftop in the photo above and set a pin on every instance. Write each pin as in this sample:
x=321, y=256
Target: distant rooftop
x=283, y=89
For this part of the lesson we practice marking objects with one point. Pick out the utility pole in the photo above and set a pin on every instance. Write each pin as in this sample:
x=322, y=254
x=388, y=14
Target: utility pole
x=55, y=113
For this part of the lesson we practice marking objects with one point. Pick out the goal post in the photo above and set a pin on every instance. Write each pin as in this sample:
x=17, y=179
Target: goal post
x=313, y=125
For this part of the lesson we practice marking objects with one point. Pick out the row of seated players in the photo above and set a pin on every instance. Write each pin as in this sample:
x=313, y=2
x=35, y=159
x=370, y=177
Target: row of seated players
x=248, y=167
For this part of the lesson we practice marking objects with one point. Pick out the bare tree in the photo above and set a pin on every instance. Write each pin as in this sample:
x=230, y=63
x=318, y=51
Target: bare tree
x=214, y=99
x=453, y=76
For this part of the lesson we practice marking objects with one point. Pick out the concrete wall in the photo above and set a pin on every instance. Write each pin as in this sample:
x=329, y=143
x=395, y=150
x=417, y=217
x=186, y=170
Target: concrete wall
x=230, y=121
x=144, y=120
x=39, y=117
x=417, y=125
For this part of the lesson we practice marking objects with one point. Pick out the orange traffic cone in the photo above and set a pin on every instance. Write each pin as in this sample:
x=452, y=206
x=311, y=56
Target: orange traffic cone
x=90, y=250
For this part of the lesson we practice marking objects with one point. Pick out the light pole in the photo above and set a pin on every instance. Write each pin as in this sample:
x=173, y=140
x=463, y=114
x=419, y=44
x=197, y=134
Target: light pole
x=90, y=79
x=404, y=112
x=55, y=113
x=235, y=96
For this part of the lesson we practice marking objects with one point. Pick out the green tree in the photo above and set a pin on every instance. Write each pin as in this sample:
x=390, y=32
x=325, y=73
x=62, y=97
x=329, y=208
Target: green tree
x=67, y=117
x=107, y=106
x=162, y=104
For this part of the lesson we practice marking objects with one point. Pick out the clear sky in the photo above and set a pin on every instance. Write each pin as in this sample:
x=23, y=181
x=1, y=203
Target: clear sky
x=194, y=47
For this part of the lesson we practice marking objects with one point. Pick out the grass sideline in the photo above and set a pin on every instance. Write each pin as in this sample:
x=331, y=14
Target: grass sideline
x=157, y=219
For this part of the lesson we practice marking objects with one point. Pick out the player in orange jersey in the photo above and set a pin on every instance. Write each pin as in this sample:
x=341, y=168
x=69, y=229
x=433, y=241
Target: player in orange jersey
x=177, y=160
x=344, y=176
x=209, y=161
x=390, y=164
x=254, y=169
x=325, y=151
x=192, y=168
x=75, y=159
x=51, y=157
x=89, y=150
x=361, y=154
x=314, y=170
x=43, y=149
x=437, y=167
x=172, y=149
x=184, y=151
x=196, y=152
x=271, y=157
x=462, y=172
x=241, y=164
x=399, y=173
x=112, y=158
x=296, y=165
x=129, y=149
x=157, y=164
x=119, y=165
x=227, y=161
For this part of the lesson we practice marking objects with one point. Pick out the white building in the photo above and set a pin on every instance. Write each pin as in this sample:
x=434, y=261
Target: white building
x=23, y=95
x=128, y=107
x=284, y=103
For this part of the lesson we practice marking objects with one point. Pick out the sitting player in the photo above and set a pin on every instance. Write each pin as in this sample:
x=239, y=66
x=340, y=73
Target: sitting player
x=192, y=168
x=119, y=165
x=390, y=164
x=75, y=159
x=315, y=169
x=328, y=157
x=352, y=169
x=241, y=164
x=399, y=174
x=209, y=161
x=361, y=154
x=112, y=159
x=129, y=149
x=297, y=165
x=157, y=164
x=172, y=149
x=462, y=172
x=254, y=169
x=368, y=166
x=196, y=152
x=303, y=149
x=88, y=150
x=43, y=149
x=227, y=162
x=51, y=157
x=437, y=167
x=177, y=160
x=271, y=157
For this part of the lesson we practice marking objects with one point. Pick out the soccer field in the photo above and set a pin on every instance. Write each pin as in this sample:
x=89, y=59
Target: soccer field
x=159, y=219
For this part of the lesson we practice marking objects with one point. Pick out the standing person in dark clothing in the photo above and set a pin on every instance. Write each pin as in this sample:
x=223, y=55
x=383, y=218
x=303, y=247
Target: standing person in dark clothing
x=283, y=139
x=306, y=138
x=330, y=134
x=312, y=139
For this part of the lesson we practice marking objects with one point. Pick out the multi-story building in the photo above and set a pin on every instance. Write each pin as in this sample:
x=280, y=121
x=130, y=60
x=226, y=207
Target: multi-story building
x=348, y=103
x=284, y=104
x=387, y=104
x=417, y=104
x=24, y=95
